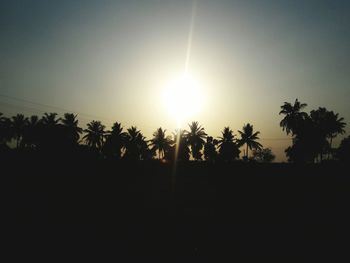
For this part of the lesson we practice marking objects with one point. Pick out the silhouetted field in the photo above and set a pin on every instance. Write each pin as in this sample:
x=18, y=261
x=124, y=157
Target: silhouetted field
x=213, y=212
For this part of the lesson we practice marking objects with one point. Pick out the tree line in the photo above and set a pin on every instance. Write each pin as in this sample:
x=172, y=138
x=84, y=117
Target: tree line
x=51, y=133
x=312, y=136
x=313, y=133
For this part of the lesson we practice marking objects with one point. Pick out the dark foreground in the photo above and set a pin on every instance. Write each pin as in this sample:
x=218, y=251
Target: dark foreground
x=132, y=212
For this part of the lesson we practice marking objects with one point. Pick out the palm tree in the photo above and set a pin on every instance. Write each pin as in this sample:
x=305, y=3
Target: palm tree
x=327, y=126
x=320, y=120
x=95, y=134
x=134, y=137
x=33, y=120
x=115, y=141
x=228, y=149
x=209, y=149
x=145, y=152
x=293, y=116
x=51, y=133
x=335, y=126
x=308, y=142
x=160, y=142
x=32, y=132
x=5, y=130
x=18, y=125
x=50, y=120
x=137, y=145
x=70, y=123
x=249, y=138
x=180, y=148
x=196, y=138
x=343, y=152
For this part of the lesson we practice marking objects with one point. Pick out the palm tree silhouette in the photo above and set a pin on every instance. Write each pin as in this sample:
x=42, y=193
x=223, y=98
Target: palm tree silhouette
x=196, y=138
x=293, y=116
x=249, y=138
x=312, y=137
x=136, y=145
x=336, y=126
x=228, y=149
x=320, y=130
x=70, y=123
x=18, y=125
x=209, y=149
x=181, y=150
x=33, y=120
x=5, y=130
x=327, y=125
x=343, y=152
x=145, y=152
x=115, y=141
x=132, y=140
x=95, y=134
x=32, y=132
x=160, y=142
x=51, y=133
x=50, y=120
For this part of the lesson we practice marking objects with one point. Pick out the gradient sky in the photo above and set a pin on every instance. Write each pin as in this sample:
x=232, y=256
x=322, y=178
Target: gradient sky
x=110, y=60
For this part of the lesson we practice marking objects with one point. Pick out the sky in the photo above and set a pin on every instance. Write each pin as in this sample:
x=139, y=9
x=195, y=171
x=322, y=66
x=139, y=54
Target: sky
x=112, y=60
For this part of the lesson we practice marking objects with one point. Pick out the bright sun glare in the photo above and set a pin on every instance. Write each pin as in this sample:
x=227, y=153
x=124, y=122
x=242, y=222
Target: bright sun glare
x=183, y=98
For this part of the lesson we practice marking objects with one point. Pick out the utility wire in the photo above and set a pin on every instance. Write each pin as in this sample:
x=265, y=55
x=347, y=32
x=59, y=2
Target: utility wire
x=83, y=116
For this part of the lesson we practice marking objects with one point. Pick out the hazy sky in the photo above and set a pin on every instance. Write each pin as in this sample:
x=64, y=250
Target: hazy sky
x=112, y=60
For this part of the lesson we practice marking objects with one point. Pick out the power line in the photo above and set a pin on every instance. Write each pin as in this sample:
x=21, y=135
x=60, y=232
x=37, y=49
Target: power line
x=83, y=116
x=88, y=116
x=276, y=139
x=53, y=107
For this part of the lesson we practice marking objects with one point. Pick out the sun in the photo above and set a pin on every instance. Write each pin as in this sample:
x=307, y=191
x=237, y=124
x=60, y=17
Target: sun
x=183, y=98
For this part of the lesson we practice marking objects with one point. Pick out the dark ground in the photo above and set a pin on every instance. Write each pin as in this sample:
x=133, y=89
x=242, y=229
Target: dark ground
x=222, y=212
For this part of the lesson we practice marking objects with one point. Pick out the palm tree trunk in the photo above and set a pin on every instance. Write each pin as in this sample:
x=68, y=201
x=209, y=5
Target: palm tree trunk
x=330, y=148
x=247, y=152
